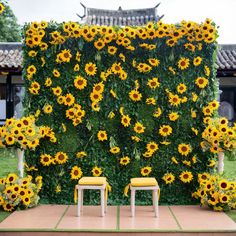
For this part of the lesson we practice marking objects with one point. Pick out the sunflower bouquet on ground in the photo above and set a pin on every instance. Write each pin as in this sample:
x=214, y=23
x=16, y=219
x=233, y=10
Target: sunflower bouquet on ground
x=218, y=136
x=23, y=133
x=19, y=193
x=216, y=192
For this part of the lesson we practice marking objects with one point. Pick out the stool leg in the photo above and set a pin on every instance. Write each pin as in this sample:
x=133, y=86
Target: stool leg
x=155, y=202
x=102, y=202
x=79, y=202
x=105, y=201
x=82, y=199
x=132, y=202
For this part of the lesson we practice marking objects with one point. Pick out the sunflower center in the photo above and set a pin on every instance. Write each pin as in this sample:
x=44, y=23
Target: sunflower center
x=61, y=157
x=200, y=81
x=90, y=68
x=165, y=130
x=46, y=159
x=145, y=170
x=223, y=185
x=184, y=149
x=183, y=63
x=11, y=179
x=80, y=82
x=185, y=176
x=76, y=172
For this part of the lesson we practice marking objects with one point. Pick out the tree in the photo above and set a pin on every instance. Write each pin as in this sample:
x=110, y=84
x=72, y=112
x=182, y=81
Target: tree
x=9, y=29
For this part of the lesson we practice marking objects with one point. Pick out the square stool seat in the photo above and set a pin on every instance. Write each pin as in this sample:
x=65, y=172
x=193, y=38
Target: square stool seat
x=96, y=183
x=144, y=183
x=93, y=181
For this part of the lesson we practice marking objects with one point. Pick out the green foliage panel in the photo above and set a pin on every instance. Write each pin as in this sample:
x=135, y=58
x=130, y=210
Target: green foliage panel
x=149, y=75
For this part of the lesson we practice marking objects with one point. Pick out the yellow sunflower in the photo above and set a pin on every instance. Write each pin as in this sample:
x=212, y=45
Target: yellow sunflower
x=168, y=178
x=48, y=82
x=224, y=198
x=91, y=69
x=81, y=154
x=186, y=176
x=139, y=128
x=153, y=61
x=31, y=70
x=165, y=130
x=116, y=68
x=173, y=116
x=96, y=171
x=151, y=101
x=57, y=91
x=115, y=150
x=46, y=159
x=183, y=63
x=47, y=109
x=125, y=120
x=111, y=50
x=7, y=207
x=102, y=135
x=76, y=172
x=152, y=146
x=184, y=149
x=2, y=8
x=214, y=104
x=61, y=157
x=26, y=200
x=181, y=88
x=124, y=160
x=69, y=99
x=174, y=100
x=153, y=83
x=135, y=138
x=98, y=88
x=10, y=140
x=56, y=73
x=197, y=61
x=189, y=47
x=207, y=111
x=145, y=171
x=157, y=112
x=99, y=44
x=11, y=178
x=96, y=97
x=135, y=95
x=80, y=82
x=224, y=184
x=201, y=82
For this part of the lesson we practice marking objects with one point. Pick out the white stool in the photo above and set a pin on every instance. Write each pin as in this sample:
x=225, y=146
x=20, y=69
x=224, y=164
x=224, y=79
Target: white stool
x=97, y=183
x=144, y=184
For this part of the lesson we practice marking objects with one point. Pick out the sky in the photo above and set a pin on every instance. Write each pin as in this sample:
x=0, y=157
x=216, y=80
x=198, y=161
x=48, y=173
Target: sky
x=221, y=12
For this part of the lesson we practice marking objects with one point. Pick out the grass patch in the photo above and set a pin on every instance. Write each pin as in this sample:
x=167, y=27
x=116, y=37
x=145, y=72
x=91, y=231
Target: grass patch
x=8, y=162
x=3, y=215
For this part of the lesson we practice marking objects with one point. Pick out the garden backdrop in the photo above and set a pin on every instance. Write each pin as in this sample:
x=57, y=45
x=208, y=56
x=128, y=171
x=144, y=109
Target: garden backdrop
x=123, y=102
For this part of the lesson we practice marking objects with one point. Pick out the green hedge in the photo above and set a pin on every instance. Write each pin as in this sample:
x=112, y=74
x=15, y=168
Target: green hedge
x=165, y=68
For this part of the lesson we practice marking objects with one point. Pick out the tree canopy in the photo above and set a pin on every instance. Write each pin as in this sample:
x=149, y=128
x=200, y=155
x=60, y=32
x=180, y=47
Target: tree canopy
x=9, y=28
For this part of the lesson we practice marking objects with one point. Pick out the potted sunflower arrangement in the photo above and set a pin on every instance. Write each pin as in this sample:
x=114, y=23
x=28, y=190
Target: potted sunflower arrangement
x=218, y=138
x=216, y=192
x=18, y=192
x=23, y=134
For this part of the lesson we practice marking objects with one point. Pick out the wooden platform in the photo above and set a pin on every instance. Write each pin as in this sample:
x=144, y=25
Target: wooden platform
x=172, y=220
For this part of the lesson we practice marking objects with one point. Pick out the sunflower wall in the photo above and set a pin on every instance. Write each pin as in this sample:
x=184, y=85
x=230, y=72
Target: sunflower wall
x=123, y=102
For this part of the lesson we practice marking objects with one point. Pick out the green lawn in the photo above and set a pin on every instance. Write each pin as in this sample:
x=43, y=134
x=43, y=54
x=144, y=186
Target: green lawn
x=8, y=163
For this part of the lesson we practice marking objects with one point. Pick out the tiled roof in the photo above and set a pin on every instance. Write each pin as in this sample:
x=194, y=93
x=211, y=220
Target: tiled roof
x=11, y=56
x=120, y=17
x=226, y=57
